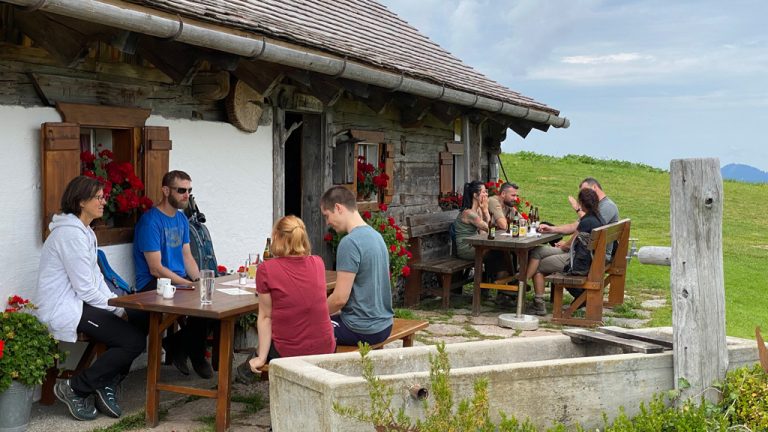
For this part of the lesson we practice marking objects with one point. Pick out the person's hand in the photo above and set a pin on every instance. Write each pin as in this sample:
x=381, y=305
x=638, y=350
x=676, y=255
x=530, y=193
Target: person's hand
x=562, y=245
x=256, y=363
x=546, y=229
x=574, y=203
x=484, y=202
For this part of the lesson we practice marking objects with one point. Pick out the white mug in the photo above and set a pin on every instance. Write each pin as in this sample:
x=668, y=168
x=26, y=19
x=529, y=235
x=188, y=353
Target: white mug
x=168, y=291
x=161, y=284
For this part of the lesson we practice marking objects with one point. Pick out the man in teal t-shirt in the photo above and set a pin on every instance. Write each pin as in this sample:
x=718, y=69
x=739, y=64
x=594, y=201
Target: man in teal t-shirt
x=363, y=295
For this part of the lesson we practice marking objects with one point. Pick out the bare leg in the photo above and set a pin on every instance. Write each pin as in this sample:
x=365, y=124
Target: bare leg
x=538, y=284
x=533, y=267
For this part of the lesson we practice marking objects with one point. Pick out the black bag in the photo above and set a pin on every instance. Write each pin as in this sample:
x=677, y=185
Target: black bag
x=581, y=256
x=200, y=241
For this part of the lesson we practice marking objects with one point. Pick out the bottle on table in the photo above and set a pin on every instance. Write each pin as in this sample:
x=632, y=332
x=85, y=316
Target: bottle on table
x=509, y=225
x=491, y=231
x=267, y=252
x=516, y=227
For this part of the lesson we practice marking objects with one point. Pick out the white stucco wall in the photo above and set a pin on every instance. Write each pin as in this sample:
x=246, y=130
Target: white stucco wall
x=231, y=177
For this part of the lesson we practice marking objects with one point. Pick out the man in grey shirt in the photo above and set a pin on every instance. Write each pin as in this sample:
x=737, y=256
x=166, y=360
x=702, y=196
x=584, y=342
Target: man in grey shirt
x=363, y=295
x=549, y=259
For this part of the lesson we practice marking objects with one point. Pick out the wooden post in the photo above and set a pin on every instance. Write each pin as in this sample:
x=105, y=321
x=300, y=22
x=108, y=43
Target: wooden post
x=698, y=293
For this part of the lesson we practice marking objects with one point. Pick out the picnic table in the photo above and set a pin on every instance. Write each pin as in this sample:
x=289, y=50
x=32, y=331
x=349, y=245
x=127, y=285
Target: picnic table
x=505, y=242
x=226, y=308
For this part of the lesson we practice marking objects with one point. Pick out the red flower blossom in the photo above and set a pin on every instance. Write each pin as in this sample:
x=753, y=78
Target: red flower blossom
x=410, y=255
x=391, y=221
x=241, y=269
x=402, y=251
x=106, y=154
x=382, y=227
x=383, y=207
x=328, y=237
x=399, y=236
x=87, y=157
x=524, y=215
x=406, y=271
x=221, y=269
x=366, y=215
x=393, y=248
x=2, y=343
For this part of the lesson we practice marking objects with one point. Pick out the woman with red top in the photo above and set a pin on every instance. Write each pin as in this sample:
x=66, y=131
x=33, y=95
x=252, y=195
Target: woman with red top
x=293, y=312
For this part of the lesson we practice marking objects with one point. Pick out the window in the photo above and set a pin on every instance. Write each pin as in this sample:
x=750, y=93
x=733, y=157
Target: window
x=122, y=131
x=351, y=145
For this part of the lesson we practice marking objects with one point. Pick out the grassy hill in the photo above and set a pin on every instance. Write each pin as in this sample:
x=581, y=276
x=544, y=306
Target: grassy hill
x=642, y=194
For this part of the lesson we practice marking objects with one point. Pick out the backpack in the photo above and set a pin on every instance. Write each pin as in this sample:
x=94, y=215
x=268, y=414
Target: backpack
x=200, y=238
x=580, y=255
x=115, y=283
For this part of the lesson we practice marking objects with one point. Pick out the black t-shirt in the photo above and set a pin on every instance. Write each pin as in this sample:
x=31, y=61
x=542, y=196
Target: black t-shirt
x=588, y=223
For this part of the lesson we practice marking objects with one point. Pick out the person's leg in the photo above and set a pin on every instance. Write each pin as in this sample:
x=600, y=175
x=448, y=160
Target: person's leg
x=124, y=343
x=193, y=337
x=345, y=336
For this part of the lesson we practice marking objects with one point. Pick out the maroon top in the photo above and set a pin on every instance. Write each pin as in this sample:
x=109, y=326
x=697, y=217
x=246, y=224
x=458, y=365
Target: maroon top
x=301, y=324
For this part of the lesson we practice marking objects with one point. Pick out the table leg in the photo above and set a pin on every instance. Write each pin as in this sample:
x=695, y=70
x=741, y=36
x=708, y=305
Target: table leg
x=479, y=253
x=226, y=335
x=153, y=369
x=522, y=263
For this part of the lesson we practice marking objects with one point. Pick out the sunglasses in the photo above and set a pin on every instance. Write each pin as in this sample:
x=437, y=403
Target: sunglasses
x=181, y=191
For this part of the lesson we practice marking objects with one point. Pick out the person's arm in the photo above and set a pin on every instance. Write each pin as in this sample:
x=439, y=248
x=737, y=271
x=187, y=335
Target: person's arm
x=560, y=229
x=86, y=281
x=158, y=270
x=190, y=265
x=471, y=217
x=264, y=328
x=340, y=294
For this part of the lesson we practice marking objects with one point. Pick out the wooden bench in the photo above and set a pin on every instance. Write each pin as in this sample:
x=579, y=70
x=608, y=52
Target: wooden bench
x=602, y=274
x=93, y=350
x=433, y=251
x=403, y=329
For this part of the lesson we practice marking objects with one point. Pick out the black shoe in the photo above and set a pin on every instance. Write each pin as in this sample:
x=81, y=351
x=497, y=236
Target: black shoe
x=202, y=368
x=505, y=299
x=106, y=402
x=81, y=408
x=244, y=374
x=178, y=356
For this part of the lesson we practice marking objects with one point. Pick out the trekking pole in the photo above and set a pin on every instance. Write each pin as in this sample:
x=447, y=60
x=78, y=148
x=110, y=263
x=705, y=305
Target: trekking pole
x=498, y=156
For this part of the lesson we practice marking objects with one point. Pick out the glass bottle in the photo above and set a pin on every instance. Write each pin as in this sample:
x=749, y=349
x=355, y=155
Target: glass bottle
x=516, y=227
x=267, y=252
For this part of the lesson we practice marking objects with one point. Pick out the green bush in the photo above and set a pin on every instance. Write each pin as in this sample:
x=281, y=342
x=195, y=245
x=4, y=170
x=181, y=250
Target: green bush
x=745, y=396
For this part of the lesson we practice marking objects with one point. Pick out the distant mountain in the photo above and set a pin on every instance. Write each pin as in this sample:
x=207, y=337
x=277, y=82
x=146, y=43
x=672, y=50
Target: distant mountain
x=744, y=173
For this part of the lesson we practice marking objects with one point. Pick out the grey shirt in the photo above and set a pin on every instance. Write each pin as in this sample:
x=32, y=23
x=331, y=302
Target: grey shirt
x=609, y=214
x=364, y=253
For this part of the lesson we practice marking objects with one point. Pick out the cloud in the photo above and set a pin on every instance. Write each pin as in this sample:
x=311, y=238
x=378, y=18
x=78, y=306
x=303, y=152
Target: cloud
x=607, y=59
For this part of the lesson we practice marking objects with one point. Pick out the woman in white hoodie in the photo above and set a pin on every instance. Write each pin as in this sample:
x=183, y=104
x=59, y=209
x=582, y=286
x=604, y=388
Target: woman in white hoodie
x=72, y=297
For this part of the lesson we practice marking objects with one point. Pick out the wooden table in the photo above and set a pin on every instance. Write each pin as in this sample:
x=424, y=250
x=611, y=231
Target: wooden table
x=162, y=313
x=504, y=242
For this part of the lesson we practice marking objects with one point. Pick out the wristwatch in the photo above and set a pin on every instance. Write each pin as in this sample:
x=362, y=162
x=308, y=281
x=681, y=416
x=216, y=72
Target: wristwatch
x=578, y=210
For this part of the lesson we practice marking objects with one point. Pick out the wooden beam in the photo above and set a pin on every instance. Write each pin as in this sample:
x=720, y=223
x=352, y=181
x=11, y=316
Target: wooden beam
x=329, y=91
x=412, y=110
x=211, y=86
x=177, y=60
x=260, y=76
x=378, y=99
x=445, y=113
x=626, y=345
x=68, y=46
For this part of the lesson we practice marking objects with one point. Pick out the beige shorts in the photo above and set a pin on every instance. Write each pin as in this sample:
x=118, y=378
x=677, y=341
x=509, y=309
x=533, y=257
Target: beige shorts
x=552, y=259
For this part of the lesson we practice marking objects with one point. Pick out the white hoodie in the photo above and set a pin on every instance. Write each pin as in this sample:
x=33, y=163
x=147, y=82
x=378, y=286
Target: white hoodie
x=68, y=276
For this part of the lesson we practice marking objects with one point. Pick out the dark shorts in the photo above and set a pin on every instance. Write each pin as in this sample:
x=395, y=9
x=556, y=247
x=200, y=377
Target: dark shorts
x=345, y=336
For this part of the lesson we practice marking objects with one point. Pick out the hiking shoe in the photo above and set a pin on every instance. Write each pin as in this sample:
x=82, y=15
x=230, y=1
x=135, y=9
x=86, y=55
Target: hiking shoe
x=505, y=299
x=81, y=408
x=178, y=356
x=106, y=402
x=244, y=374
x=538, y=307
x=202, y=368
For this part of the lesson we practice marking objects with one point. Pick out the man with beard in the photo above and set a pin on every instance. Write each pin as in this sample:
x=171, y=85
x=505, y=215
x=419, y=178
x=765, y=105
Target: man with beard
x=502, y=206
x=161, y=250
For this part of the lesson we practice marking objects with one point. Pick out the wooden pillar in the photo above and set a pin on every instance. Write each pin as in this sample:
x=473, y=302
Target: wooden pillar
x=698, y=293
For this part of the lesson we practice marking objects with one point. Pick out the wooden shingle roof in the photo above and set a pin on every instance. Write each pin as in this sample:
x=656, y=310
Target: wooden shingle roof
x=361, y=30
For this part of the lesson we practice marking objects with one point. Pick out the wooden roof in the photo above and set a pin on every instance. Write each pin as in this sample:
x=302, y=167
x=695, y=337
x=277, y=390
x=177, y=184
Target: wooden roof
x=362, y=30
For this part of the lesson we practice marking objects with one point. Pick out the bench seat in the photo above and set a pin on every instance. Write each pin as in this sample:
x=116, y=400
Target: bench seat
x=443, y=265
x=403, y=329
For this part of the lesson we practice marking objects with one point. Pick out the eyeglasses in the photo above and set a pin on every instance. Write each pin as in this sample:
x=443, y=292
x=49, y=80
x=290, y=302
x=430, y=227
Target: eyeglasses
x=182, y=191
x=104, y=198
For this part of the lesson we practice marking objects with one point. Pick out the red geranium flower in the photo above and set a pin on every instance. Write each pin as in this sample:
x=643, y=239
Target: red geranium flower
x=383, y=207
x=406, y=271
x=366, y=215
x=393, y=248
x=221, y=269
x=328, y=237
x=399, y=236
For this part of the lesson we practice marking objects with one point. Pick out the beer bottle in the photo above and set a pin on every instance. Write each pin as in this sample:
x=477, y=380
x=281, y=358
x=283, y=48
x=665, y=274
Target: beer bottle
x=491, y=231
x=509, y=225
x=267, y=253
x=516, y=227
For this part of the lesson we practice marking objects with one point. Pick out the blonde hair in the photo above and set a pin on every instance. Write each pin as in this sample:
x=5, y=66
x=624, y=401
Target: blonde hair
x=289, y=238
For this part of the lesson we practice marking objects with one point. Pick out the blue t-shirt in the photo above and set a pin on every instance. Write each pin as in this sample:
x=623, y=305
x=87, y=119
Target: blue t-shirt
x=158, y=232
x=364, y=253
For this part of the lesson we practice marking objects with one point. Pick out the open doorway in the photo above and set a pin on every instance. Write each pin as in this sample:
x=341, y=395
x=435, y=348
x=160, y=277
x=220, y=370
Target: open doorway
x=293, y=165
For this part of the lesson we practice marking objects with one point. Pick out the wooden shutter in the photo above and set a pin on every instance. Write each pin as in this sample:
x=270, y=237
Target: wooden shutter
x=60, y=163
x=389, y=168
x=157, y=148
x=446, y=172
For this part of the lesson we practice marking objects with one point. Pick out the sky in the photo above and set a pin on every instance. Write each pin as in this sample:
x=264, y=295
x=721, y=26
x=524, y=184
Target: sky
x=644, y=81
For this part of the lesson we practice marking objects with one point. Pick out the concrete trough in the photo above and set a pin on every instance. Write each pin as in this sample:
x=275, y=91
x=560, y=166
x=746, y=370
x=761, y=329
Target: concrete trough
x=545, y=379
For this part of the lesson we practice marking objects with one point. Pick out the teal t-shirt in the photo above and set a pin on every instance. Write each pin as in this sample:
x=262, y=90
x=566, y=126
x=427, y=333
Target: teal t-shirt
x=364, y=253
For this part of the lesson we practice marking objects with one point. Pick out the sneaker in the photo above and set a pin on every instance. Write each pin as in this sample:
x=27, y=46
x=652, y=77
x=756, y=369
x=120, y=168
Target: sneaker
x=178, y=356
x=106, y=402
x=81, y=408
x=202, y=368
x=244, y=374
x=538, y=307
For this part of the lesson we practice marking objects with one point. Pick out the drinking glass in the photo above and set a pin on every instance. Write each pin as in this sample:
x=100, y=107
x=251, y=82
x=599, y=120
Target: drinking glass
x=254, y=262
x=206, y=286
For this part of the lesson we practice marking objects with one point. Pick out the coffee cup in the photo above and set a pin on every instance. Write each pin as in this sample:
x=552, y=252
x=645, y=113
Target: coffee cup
x=161, y=284
x=168, y=291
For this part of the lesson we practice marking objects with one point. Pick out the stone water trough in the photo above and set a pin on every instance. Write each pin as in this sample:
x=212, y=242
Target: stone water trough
x=545, y=379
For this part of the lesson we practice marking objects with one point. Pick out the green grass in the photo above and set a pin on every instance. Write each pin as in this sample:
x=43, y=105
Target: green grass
x=254, y=402
x=642, y=194
x=127, y=423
